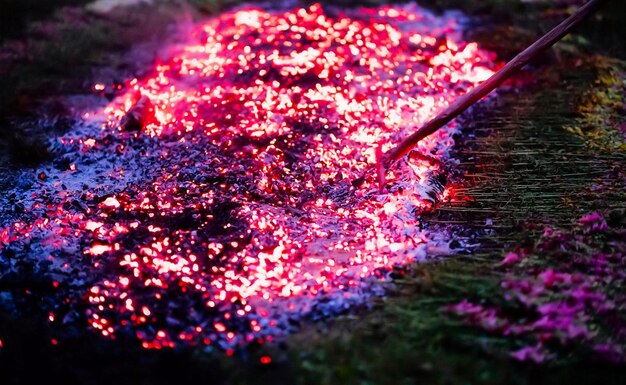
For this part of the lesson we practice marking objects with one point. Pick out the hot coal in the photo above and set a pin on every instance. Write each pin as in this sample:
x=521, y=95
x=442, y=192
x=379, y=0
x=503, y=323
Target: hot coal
x=226, y=196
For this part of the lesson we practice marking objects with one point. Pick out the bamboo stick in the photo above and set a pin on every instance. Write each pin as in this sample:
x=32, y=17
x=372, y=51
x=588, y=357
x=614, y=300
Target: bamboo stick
x=482, y=90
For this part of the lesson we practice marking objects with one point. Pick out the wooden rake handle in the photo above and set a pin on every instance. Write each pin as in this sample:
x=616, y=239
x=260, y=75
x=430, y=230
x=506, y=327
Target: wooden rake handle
x=467, y=100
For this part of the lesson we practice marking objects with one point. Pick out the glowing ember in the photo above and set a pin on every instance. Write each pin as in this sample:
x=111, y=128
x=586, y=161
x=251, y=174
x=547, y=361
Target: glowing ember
x=111, y=202
x=237, y=198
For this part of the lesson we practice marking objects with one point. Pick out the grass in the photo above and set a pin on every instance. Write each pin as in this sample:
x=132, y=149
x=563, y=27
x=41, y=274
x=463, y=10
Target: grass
x=411, y=340
x=57, y=56
x=64, y=55
x=602, y=110
x=15, y=15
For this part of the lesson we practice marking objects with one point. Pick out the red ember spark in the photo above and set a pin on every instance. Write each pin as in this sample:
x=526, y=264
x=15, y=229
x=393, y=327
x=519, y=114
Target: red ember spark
x=111, y=202
x=243, y=202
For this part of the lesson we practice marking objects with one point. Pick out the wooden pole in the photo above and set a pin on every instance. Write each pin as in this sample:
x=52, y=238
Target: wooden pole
x=467, y=100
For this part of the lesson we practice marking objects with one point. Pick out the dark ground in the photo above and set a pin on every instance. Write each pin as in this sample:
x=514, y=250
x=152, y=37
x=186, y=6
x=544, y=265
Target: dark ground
x=541, y=155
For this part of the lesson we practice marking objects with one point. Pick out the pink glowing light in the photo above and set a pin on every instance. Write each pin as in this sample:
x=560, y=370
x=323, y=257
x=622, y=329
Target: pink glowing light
x=251, y=200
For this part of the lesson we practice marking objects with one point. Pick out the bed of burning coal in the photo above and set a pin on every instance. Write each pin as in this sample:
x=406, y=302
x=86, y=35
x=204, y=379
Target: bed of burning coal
x=228, y=194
